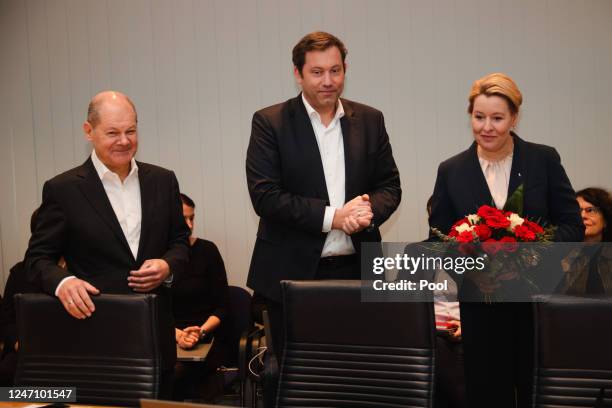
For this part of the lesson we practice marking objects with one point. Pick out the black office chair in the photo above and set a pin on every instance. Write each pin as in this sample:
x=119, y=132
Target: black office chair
x=112, y=357
x=573, y=366
x=342, y=352
x=244, y=338
x=239, y=307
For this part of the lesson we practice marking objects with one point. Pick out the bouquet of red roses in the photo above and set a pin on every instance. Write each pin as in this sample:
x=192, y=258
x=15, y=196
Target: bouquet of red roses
x=498, y=235
x=492, y=226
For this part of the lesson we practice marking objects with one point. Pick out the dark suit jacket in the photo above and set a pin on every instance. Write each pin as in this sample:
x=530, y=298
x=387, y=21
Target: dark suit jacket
x=549, y=198
x=76, y=220
x=288, y=191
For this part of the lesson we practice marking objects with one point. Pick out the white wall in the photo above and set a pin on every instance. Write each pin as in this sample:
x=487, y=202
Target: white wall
x=198, y=69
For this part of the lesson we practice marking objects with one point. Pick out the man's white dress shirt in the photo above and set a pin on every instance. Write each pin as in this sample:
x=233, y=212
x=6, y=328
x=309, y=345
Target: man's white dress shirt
x=331, y=148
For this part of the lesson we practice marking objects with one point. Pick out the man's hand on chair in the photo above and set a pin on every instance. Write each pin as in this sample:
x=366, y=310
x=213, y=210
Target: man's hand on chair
x=74, y=295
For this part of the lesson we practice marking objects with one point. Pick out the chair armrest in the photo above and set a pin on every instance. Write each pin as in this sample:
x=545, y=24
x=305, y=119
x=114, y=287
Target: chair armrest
x=246, y=349
x=269, y=379
x=268, y=332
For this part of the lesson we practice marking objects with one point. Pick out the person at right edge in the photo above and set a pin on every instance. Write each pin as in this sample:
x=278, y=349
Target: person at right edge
x=588, y=269
x=497, y=338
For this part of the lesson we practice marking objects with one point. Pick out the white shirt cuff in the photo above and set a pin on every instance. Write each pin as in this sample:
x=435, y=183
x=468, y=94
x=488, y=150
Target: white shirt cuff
x=62, y=282
x=328, y=218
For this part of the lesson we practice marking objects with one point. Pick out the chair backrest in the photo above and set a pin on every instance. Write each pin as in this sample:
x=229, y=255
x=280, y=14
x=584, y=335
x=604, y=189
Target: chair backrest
x=112, y=357
x=573, y=352
x=239, y=306
x=343, y=352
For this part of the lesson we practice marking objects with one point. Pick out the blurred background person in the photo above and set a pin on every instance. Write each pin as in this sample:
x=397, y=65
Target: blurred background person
x=17, y=282
x=588, y=270
x=596, y=210
x=497, y=338
x=449, y=368
x=200, y=304
x=450, y=375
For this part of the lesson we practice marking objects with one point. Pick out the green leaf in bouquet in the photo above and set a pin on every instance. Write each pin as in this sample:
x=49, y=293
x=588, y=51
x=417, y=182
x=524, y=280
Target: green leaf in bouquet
x=514, y=203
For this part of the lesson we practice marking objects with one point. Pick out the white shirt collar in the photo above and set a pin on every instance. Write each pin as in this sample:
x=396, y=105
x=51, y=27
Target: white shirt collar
x=102, y=170
x=484, y=163
x=312, y=112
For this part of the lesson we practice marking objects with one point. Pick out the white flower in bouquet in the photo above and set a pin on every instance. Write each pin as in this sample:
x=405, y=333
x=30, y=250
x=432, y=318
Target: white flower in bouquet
x=473, y=219
x=464, y=227
x=515, y=220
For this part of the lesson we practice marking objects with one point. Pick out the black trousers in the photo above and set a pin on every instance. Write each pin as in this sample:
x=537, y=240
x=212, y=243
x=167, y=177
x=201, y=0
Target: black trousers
x=498, y=350
x=450, y=375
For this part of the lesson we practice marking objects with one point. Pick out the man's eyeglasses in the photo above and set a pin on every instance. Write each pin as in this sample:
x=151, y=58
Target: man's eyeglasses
x=590, y=210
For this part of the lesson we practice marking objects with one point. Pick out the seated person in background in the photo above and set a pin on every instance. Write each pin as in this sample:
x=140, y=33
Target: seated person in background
x=596, y=210
x=449, y=368
x=450, y=389
x=200, y=298
x=589, y=271
x=16, y=283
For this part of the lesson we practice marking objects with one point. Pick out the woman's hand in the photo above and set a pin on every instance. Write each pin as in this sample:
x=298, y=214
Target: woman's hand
x=186, y=339
x=195, y=332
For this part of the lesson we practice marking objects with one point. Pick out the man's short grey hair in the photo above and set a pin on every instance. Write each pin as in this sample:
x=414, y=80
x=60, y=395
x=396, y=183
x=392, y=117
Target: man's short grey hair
x=93, y=110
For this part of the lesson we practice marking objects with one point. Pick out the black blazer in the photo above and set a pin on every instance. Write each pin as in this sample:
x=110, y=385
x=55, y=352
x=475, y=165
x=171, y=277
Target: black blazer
x=461, y=189
x=287, y=187
x=76, y=221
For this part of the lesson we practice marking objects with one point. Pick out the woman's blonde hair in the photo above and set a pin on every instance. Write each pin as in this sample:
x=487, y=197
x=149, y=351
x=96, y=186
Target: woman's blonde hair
x=500, y=85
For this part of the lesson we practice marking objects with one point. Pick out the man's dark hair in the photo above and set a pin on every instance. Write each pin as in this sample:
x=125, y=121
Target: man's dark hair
x=316, y=41
x=187, y=201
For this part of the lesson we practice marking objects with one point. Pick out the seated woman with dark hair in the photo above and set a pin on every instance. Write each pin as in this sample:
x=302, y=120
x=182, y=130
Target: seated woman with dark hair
x=596, y=210
x=200, y=298
x=589, y=271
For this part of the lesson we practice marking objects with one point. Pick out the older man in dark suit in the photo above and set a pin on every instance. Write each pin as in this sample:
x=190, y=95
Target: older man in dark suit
x=118, y=224
x=321, y=176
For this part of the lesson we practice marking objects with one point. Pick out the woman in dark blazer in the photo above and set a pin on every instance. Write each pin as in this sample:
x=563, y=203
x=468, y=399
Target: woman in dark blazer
x=497, y=337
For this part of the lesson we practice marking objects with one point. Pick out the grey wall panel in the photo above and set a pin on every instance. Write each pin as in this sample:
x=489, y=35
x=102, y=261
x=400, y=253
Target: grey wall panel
x=144, y=78
x=98, y=44
x=60, y=79
x=198, y=69
x=40, y=88
x=17, y=153
x=80, y=76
